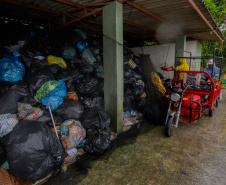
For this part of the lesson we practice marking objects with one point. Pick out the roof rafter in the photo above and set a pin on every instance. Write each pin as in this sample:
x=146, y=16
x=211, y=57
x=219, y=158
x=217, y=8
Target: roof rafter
x=154, y=15
x=85, y=6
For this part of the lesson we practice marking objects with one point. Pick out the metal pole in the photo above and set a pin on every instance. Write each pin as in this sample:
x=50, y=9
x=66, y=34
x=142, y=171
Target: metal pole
x=51, y=114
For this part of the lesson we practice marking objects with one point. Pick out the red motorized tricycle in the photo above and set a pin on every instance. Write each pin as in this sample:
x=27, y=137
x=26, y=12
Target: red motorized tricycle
x=190, y=97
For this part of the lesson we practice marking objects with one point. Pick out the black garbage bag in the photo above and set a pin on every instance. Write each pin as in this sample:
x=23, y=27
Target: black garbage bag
x=29, y=58
x=9, y=102
x=98, y=143
x=137, y=60
x=68, y=76
x=137, y=88
x=80, y=33
x=155, y=112
x=88, y=85
x=68, y=52
x=38, y=63
x=160, y=75
x=96, y=122
x=99, y=71
x=127, y=71
x=140, y=104
x=130, y=80
x=87, y=69
x=75, y=60
x=128, y=102
x=33, y=150
x=55, y=68
x=20, y=86
x=128, y=91
x=136, y=75
x=90, y=102
x=127, y=54
x=2, y=154
x=70, y=109
x=21, y=89
x=36, y=78
x=167, y=83
x=101, y=86
x=26, y=60
x=46, y=118
x=95, y=49
x=39, y=45
x=29, y=100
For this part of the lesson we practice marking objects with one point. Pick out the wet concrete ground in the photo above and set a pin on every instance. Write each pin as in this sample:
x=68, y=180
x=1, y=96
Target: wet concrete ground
x=195, y=154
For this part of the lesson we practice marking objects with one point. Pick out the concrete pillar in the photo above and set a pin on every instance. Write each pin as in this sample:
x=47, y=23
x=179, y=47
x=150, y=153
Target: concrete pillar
x=113, y=63
x=180, y=45
x=198, y=54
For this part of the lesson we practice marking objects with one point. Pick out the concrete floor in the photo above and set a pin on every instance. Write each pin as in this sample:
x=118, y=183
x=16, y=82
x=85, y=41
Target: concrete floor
x=195, y=154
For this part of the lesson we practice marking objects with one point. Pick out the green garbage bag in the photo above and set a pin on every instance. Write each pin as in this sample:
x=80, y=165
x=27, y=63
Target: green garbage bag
x=46, y=88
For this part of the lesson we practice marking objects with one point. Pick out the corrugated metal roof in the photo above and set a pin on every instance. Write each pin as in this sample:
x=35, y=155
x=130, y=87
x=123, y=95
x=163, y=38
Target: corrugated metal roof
x=160, y=20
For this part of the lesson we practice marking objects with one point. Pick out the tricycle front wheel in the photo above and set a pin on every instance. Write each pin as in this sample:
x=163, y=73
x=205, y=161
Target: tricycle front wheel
x=170, y=126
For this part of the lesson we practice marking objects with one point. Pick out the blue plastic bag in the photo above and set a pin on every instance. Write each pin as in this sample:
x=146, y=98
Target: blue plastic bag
x=53, y=101
x=55, y=97
x=60, y=90
x=16, y=53
x=82, y=45
x=11, y=69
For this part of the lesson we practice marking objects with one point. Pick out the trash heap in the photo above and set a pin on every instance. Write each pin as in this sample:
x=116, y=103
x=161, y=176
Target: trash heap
x=52, y=101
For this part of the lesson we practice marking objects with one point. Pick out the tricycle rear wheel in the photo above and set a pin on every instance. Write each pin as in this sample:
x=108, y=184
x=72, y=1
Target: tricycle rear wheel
x=170, y=126
x=211, y=112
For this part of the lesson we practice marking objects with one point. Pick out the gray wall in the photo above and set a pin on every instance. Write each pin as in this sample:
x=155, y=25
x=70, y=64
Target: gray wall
x=164, y=55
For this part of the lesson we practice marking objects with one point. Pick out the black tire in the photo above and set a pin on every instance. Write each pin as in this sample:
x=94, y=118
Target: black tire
x=216, y=105
x=211, y=112
x=170, y=126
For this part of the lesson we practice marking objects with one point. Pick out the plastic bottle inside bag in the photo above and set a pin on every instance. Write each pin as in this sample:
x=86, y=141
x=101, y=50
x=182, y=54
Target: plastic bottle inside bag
x=133, y=113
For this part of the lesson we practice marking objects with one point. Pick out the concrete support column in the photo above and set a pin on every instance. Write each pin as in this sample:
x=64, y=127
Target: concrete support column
x=198, y=53
x=180, y=45
x=113, y=63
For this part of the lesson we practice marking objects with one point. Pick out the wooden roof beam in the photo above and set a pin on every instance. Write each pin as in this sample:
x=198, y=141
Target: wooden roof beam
x=192, y=3
x=83, y=17
x=95, y=3
x=93, y=11
x=69, y=3
x=138, y=26
x=99, y=23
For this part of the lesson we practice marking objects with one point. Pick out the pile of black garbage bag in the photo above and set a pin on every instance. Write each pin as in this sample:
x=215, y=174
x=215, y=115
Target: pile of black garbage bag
x=30, y=147
x=32, y=150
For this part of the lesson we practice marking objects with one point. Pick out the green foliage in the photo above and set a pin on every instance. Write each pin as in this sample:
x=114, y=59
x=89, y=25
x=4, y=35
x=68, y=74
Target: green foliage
x=146, y=43
x=217, y=9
